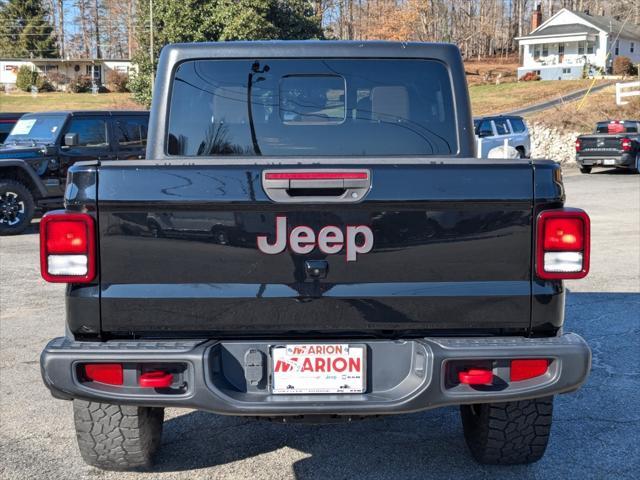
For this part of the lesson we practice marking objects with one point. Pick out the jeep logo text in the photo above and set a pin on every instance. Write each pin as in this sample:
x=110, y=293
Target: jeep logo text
x=330, y=240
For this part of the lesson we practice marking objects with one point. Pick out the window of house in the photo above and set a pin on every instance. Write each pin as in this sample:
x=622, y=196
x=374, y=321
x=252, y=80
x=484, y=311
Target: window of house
x=545, y=50
x=95, y=69
x=580, y=48
x=92, y=132
x=617, y=52
x=632, y=47
x=561, y=48
x=536, y=51
x=590, y=46
x=566, y=70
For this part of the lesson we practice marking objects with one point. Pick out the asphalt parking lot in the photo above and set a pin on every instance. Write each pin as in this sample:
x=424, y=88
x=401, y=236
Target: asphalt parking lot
x=595, y=431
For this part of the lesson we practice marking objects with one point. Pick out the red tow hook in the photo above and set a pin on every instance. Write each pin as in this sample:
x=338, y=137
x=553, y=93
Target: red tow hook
x=476, y=376
x=155, y=379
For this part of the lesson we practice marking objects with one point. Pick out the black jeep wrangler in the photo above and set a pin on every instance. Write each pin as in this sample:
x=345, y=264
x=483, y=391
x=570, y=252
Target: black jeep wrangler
x=41, y=147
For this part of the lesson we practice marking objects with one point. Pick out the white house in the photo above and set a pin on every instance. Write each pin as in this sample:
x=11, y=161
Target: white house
x=70, y=68
x=560, y=47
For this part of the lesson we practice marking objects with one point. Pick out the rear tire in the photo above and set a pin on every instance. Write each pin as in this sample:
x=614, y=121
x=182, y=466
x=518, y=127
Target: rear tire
x=585, y=169
x=16, y=207
x=508, y=433
x=117, y=437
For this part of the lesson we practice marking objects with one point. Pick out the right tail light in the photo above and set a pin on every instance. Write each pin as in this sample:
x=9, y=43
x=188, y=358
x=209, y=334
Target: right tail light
x=563, y=244
x=626, y=144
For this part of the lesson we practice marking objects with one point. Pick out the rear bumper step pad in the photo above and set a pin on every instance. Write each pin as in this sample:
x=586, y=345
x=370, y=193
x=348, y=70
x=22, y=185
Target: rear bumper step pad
x=403, y=375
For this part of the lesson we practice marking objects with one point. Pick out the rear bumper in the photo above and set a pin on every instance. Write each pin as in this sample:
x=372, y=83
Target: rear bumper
x=626, y=160
x=403, y=376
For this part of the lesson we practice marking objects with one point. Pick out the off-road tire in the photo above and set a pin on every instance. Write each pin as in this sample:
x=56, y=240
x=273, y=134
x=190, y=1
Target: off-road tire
x=508, y=433
x=24, y=196
x=585, y=169
x=117, y=437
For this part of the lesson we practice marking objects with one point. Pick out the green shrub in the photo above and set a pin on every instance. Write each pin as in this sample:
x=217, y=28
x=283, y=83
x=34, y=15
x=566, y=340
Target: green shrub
x=26, y=78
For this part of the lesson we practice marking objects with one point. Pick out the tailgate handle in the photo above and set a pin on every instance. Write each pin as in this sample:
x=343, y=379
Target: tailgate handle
x=314, y=185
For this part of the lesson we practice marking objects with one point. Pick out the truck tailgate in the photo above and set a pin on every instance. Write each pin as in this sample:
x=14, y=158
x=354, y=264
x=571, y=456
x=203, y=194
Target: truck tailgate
x=178, y=251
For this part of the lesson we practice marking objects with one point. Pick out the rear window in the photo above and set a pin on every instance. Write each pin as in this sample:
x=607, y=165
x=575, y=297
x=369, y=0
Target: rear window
x=617, y=127
x=281, y=107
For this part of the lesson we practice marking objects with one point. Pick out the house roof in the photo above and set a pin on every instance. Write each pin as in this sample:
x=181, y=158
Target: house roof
x=567, y=29
x=611, y=25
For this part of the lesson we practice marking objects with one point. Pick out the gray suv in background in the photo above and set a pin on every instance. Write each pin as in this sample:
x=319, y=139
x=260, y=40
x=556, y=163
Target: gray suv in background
x=491, y=132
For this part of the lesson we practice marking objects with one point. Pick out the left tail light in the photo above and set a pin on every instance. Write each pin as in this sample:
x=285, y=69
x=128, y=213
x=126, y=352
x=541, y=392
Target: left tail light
x=67, y=247
x=563, y=244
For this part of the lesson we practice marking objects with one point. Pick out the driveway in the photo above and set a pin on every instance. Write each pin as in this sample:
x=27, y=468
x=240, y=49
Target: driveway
x=595, y=432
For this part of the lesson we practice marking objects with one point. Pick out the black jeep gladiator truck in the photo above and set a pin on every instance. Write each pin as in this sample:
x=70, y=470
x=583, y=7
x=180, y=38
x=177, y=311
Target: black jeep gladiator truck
x=376, y=267
x=615, y=143
x=41, y=147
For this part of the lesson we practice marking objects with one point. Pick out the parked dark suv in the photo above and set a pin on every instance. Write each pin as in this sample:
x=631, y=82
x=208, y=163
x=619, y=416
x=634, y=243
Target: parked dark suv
x=42, y=146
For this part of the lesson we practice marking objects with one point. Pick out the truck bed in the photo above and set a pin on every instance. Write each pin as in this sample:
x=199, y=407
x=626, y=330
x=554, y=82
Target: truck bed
x=451, y=252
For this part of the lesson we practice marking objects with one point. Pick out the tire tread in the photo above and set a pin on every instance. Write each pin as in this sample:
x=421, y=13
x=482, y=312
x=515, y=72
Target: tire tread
x=508, y=433
x=117, y=437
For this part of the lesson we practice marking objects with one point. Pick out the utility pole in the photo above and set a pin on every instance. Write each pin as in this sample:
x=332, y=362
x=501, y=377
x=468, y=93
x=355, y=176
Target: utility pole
x=151, y=44
x=98, y=54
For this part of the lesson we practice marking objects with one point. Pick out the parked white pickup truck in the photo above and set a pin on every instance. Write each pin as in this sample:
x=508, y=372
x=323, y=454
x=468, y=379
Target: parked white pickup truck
x=491, y=132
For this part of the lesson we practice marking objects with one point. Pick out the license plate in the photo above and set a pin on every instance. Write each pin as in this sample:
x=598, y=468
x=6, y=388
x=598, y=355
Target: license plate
x=609, y=161
x=318, y=368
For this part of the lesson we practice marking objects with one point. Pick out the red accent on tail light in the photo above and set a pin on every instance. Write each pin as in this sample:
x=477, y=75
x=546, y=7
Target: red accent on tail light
x=578, y=145
x=564, y=234
x=109, y=373
x=528, y=368
x=155, y=379
x=476, y=376
x=66, y=236
x=316, y=176
x=563, y=230
x=626, y=144
x=64, y=233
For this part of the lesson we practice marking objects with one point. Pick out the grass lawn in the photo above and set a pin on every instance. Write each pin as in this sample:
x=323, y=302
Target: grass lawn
x=485, y=99
x=491, y=99
x=24, y=102
x=597, y=107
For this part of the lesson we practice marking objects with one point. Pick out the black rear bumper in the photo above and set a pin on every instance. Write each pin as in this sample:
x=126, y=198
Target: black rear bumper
x=403, y=375
x=625, y=160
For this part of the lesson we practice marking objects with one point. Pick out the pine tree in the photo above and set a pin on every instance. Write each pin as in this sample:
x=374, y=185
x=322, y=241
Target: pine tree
x=26, y=30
